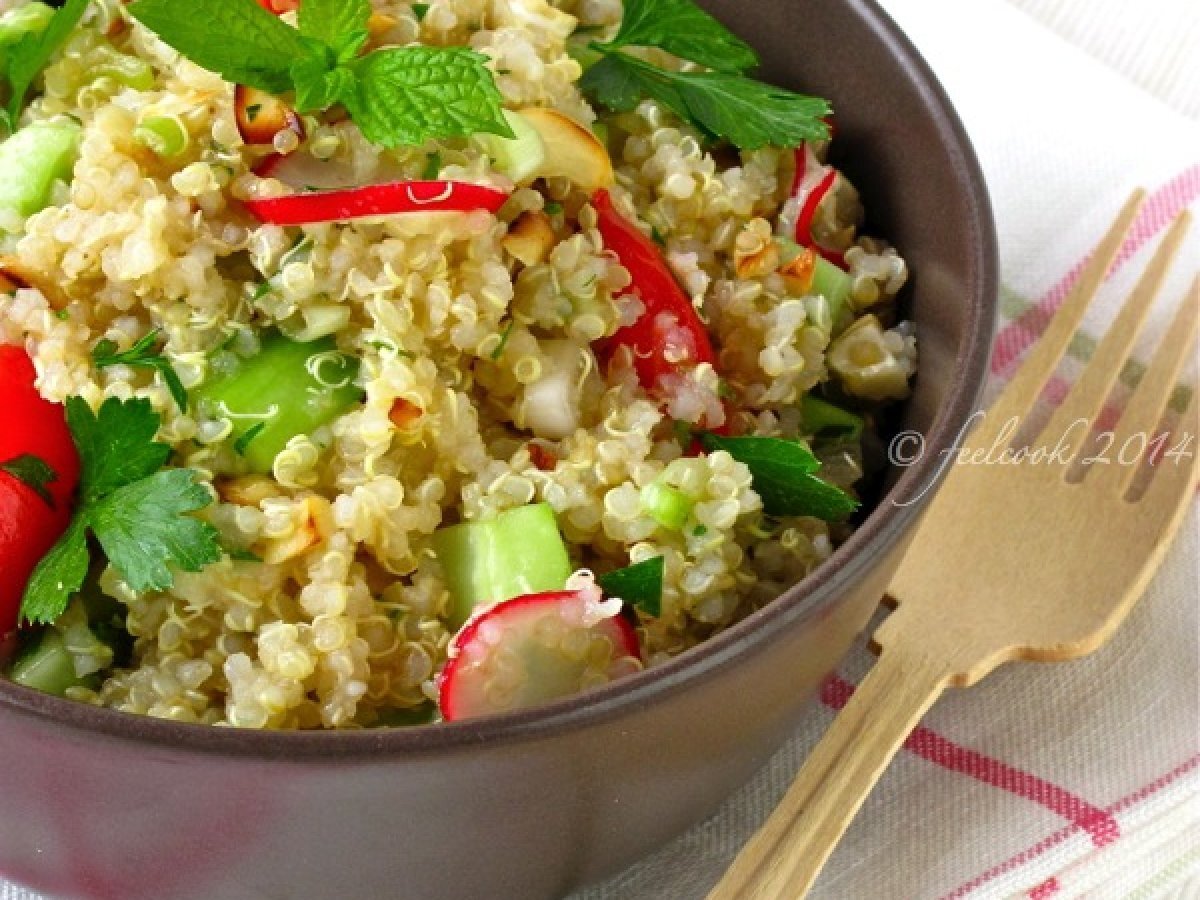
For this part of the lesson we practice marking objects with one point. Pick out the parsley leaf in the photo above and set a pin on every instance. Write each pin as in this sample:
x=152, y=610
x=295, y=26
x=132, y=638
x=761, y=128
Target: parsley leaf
x=138, y=514
x=119, y=442
x=639, y=585
x=237, y=39
x=748, y=113
x=32, y=52
x=59, y=575
x=783, y=474
x=142, y=355
x=142, y=527
x=408, y=95
x=34, y=472
x=682, y=28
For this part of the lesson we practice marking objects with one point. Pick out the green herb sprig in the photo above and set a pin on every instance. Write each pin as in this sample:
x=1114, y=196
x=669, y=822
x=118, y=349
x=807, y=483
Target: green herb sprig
x=784, y=475
x=137, y=510
x=397, y=95
x=640, y=585
x=722, y=102
x=142, y=355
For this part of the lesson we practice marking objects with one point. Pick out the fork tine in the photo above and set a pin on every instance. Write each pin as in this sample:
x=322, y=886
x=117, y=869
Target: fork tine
x=1153, y=393
x=1023, y=390
x=1088, y=394
x=1176, y=478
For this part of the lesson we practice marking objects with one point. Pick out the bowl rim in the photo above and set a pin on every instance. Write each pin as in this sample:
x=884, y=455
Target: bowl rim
x=883, y=527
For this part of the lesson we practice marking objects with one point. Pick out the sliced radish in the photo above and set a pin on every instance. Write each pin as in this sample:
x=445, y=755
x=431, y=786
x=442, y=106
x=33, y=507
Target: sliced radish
x=533, y=649
x=260, y=116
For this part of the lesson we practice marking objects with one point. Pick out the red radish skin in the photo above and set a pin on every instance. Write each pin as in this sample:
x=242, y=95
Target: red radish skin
x=377, y=200
x=668, y=339
x=29, y=527
x=811, y=203
x=513, y=626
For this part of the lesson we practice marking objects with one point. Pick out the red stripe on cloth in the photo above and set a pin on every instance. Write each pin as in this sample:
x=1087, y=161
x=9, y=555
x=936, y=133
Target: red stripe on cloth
x=1047, y=888
x=941, y=751
x=1050, y=842
x=1160, y=208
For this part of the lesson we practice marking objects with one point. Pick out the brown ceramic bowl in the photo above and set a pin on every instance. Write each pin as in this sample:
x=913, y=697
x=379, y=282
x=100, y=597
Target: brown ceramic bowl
x=98, y=804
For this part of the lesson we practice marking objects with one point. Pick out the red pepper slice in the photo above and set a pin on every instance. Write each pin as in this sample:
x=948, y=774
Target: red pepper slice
x=279, y=7
x=668, y=338
x=29, y=525
x=376, y=200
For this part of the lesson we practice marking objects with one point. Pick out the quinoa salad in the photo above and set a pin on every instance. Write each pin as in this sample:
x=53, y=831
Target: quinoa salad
x=383, y=363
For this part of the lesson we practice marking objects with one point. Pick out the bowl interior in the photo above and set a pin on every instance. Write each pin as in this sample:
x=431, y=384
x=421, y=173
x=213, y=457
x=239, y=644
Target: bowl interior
x=900, y=142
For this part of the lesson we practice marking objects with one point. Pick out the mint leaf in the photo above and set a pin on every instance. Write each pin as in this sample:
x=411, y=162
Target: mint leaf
x=328, y=20
x=639, y=585
x=408, y=95
x=682, y=28
x=237, y=39
x=783, y=476
x=319, y=87
x=32, y=52
x=59, y=575
x=747, y=113
x=142, y=355
x=34, y=472
x=116, y=445
x=143, y=528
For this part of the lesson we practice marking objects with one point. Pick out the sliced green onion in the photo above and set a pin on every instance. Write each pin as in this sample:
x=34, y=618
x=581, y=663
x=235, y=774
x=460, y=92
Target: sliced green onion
x=32, y=18
x=666, y=505
x=519, y=158
x=127, y=70
x=165, y=136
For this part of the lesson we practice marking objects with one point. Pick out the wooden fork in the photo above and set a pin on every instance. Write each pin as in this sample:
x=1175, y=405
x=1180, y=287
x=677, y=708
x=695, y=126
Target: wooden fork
x=1012, y=561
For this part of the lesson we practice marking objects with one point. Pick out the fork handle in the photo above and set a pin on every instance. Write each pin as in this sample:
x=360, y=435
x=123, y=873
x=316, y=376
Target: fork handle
x=784, y=858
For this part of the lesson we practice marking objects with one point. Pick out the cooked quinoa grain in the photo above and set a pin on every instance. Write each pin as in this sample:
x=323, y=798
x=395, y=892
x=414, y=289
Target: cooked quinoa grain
x=486, y=375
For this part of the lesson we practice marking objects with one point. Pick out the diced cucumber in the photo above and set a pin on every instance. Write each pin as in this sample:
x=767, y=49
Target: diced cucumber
x=288, y=389
x=32, y=18
x=32, y=160
x=834, y=285
x=820, y=416
x=517, y=158
x=47, y=665
x=520, y=552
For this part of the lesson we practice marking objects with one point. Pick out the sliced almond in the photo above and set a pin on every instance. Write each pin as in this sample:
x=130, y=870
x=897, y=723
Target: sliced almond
x=379, y=27
x=314, y=525
x=572, y=150
x=260, y=116
x=15, y=274
x=530, y=238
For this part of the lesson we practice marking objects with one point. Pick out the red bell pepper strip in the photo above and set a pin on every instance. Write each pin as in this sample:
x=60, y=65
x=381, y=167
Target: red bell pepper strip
x=279, y=7
x=376, y=200
x=668, y=338
x=33, y=514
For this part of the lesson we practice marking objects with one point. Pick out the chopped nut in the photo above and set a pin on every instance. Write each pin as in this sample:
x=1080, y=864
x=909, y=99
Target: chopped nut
x=530, y=238
x=15, y=274
x=247, y=490
x=314, y=526
x=798, y=273
x=755, y=253
x=542, y=458
x=404, y=413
